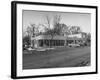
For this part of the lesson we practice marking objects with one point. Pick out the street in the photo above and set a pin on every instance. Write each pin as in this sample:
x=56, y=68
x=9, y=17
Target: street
x=59, y=57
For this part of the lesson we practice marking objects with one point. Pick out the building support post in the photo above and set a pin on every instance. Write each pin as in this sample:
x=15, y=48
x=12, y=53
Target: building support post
x=65, y=43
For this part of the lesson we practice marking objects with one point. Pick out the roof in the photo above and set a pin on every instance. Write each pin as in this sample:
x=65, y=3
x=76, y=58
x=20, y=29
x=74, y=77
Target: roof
x=75, y=35
x=49, y=37
x=57, y=37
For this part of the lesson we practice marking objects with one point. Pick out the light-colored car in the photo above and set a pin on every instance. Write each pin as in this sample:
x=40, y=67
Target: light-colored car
x=73, y=45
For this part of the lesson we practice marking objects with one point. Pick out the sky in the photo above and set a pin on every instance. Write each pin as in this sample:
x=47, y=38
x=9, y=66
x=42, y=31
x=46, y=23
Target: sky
x=69, y=18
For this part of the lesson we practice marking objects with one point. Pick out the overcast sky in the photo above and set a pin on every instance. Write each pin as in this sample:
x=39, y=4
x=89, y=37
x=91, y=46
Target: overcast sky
x=69, y=18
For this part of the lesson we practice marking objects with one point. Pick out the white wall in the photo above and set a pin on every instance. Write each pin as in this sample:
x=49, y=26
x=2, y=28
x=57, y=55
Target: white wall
x=5, y=40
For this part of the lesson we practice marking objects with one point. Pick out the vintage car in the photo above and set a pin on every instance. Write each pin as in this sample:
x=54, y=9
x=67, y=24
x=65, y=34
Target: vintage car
x=73, y=45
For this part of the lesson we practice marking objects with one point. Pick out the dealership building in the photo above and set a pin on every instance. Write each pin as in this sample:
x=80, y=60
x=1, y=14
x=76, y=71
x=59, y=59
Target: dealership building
x=57, y=41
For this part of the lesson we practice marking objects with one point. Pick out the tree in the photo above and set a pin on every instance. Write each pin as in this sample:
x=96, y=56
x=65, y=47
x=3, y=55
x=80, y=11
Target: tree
x=88, y=37
x=32, y=31
x=27, y=38
x=75, y=29
x=28, y=30
x=48, y=30
x=64, y=29
x=48, y=19
x=56, y=20
x=38, y=29
x=26, y=41
x=56, y=26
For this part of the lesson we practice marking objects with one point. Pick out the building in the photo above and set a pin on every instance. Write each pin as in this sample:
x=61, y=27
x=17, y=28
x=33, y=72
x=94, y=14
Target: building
x=57, y=41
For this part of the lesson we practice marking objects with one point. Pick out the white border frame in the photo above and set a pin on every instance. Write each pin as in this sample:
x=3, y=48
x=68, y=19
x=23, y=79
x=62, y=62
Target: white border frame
x=36, y=72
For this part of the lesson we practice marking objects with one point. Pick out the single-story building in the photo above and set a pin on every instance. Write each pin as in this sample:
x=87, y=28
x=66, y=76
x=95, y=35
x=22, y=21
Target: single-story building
x=56, y=41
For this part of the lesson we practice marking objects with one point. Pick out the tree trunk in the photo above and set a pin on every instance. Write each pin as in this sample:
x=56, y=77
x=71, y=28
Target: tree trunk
x=51, y=41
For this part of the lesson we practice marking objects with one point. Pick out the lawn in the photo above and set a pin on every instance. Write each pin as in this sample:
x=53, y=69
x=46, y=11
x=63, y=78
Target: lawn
x=58, y=57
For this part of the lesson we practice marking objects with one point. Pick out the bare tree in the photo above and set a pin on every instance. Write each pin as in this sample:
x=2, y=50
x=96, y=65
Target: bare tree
x=88, y=39
x=44, y=27
x=28, y=30
x=32, y=31
x=27, y=38
x=48, y=19
x=74, y=29
x=57, y=19
x=56, y=26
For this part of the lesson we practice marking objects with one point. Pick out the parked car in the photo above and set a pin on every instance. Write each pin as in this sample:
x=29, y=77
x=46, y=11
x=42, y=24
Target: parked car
x=82, y=44
x=73, y=45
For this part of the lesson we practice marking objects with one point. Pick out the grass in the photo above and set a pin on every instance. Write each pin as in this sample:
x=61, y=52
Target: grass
x=58, y=57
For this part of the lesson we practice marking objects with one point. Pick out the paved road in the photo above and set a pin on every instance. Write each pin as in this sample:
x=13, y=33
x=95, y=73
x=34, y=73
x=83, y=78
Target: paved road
x=61, y=57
